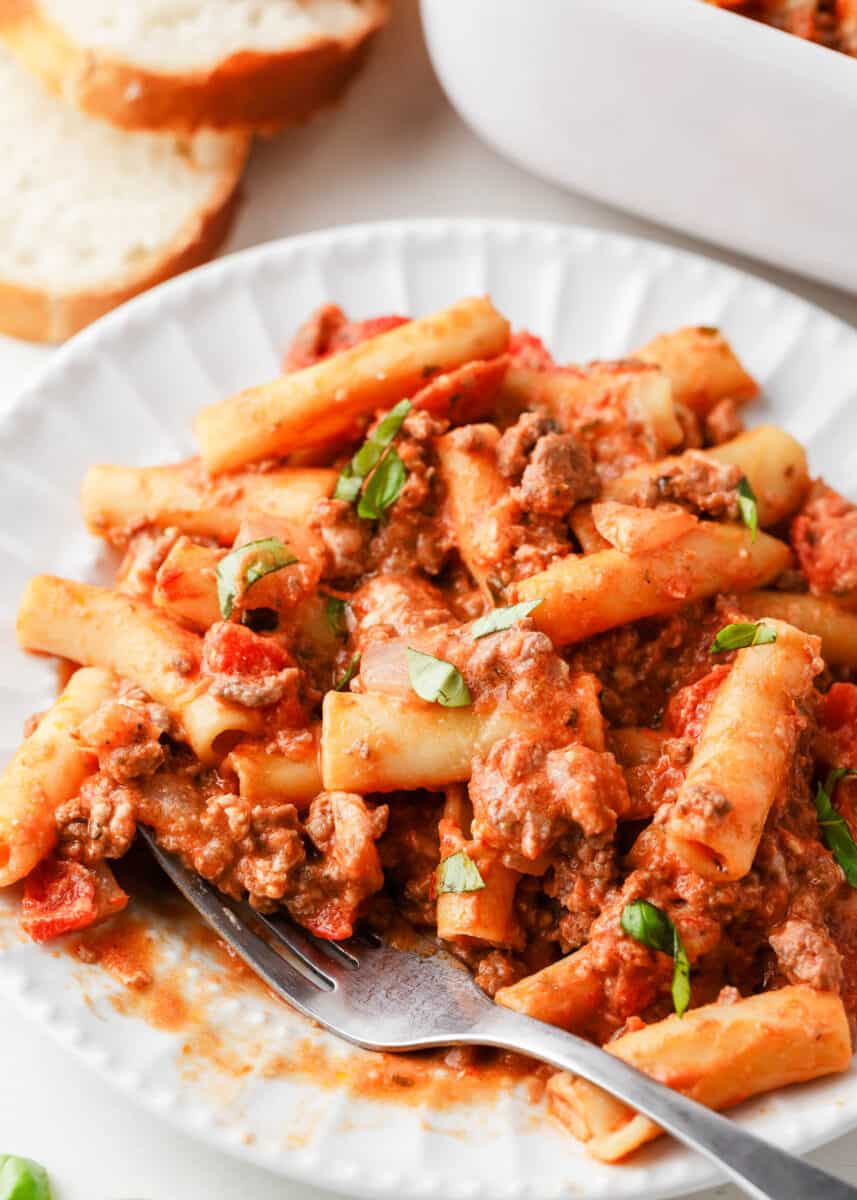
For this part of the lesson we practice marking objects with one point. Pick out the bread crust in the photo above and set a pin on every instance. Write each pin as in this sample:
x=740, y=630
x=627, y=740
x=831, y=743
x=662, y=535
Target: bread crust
x=40, y=315
x=251, y=90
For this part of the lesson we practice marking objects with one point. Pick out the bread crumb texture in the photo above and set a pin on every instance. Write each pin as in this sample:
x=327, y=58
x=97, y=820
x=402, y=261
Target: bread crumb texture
x=83, y=204
x=189, y=35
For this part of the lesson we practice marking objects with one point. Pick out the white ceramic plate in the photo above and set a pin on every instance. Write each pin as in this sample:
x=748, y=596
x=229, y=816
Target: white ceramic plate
x=125, y=391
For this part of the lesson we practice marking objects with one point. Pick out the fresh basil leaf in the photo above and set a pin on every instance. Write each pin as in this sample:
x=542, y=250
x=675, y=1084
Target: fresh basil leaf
x=651, y=927
x=246, y=565
x=681, y=978
x=389, y=426
x=458, y=873
x=436, y=680
x=23, y=1179
x=348, y=485
x=502, y=618
x=352, y=475
x=350, y=672
x=748, y=508
x=383, y=488
x=334, y=610
x=743, y=634
x=834, y=827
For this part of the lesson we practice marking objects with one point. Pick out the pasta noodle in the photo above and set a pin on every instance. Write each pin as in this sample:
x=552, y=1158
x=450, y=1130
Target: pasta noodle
x=486, y=915
x=438, y=630
x=48, y=769
x=837, y=627
x=264, y=775
x=744, y=751
x=718, y=1055
x=583, y=596
x=101, y=628
x=770, y=459
x=326, y=400
x=701, y=366
x=118, y=499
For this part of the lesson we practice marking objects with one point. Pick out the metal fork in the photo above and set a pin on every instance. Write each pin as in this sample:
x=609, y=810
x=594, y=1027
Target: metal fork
x=383, y=998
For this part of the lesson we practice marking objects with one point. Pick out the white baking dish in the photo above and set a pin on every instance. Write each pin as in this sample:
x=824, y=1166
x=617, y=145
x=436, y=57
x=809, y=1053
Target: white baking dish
x=678, y=111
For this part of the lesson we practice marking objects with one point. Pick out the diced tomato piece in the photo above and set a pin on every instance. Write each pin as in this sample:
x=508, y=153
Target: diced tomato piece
x=689, y=706
x=527, y=350
x=327, y=331
x=839, y=707
x=837, y=717
x=109, y=896
x=232, y=649
x=333, y=922
x=59, y=896
x=465, y=394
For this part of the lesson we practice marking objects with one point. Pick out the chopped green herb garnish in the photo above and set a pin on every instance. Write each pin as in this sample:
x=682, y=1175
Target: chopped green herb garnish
x=23, y=1179
x=458, y=873
x=348, y=485
x=502, y=618
x=368, y=457
x=748, y=507
x=650, y=926
x=436, y=680
x=350, y=672
x=743, y=634
x=334, y=611
x=241, y=568
x=383, y=487
x=834, y=827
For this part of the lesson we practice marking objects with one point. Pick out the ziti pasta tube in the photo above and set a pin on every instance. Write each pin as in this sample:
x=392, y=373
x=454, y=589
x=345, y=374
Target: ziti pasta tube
x=468, y=467
x=265, y=776
x=328, y=399
x=382, y=743
x=837, y=627
x=588, y=400
x=771, y=460
x=488, y=913
x=99, y=627
x=47, y=770
x=743, y=755
x=702, y=367
x=718, y=1055
x=567, y=993
x=116, y=500
x=584, y=595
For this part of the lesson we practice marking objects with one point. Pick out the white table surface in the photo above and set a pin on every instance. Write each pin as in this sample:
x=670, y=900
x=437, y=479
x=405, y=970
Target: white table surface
x=395, y=150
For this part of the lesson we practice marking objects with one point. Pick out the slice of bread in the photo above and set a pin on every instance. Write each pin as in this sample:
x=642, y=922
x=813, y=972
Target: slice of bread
x=91, y=215
x=186, y=64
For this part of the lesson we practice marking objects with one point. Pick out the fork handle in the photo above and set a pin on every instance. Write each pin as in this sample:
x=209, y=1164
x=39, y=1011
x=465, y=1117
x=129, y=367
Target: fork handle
x=760, y=1169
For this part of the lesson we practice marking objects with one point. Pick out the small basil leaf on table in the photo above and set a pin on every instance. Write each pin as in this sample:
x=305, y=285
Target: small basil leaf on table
x=23, y=1179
